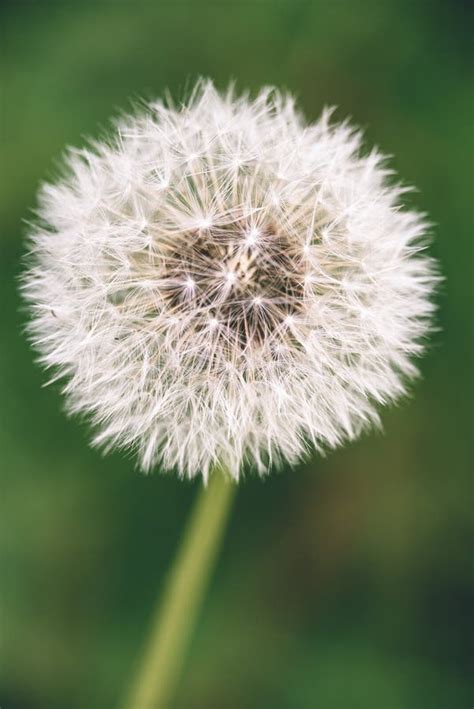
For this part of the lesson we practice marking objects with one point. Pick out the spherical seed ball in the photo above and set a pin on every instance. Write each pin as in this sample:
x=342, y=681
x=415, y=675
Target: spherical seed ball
x=221, y=282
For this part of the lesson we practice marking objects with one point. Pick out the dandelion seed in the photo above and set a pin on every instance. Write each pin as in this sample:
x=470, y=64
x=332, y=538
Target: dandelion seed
x=147, y=301
x=252, y=236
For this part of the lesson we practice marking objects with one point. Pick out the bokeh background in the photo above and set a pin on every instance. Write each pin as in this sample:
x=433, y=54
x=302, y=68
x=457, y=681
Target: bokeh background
x=342, y=584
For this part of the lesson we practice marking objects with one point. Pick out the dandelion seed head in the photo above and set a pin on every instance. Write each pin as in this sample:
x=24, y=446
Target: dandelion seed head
x=221, y=282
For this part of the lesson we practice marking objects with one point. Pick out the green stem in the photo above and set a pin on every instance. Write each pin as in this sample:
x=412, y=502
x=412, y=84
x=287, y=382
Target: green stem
x=175, y=617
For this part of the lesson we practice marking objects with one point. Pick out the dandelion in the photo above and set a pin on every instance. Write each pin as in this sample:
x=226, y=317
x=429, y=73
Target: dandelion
x=222, y=283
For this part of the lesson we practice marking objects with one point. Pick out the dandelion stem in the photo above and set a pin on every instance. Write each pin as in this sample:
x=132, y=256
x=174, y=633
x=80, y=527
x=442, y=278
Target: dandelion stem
x=177, y=611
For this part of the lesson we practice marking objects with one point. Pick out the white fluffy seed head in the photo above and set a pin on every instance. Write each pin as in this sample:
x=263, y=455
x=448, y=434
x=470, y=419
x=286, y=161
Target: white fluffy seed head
x=221, y=282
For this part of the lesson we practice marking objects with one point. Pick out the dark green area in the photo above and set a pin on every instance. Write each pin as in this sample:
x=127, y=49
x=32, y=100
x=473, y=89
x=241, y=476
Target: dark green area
x=343, y=584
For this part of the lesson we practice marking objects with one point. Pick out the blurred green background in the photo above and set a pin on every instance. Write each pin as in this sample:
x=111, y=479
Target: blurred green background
x=343, y=584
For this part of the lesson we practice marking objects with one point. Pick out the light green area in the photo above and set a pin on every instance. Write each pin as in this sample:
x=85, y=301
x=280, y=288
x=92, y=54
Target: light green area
x=343, y=583
x=159, y=669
